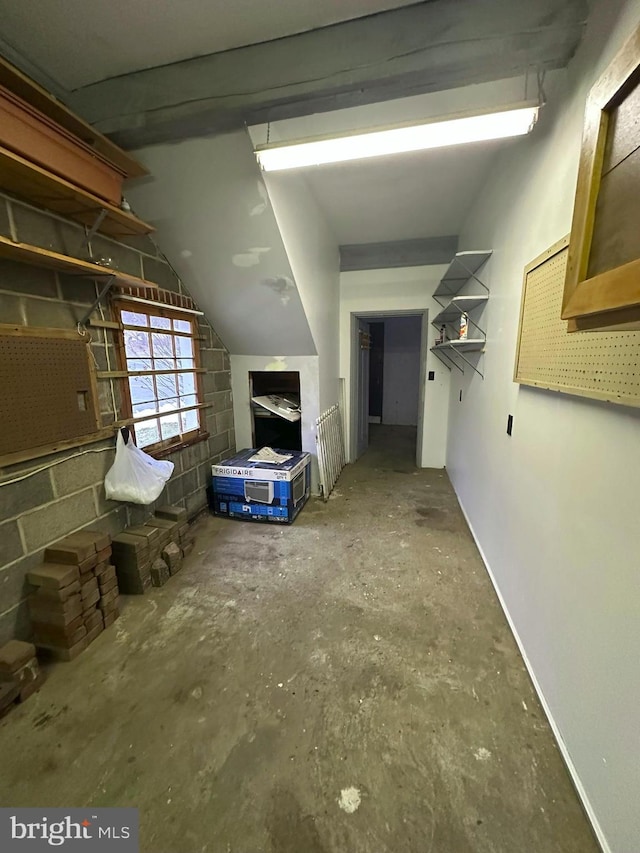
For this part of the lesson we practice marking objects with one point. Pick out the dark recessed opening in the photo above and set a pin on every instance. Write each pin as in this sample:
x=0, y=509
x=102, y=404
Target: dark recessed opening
x=268, y=429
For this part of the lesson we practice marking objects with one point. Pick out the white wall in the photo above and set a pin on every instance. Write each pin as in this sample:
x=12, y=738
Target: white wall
x=308, y=367
x=391, y=291
x=401, y=371
x=554, y=508
x=315, y=260
x=215, y=223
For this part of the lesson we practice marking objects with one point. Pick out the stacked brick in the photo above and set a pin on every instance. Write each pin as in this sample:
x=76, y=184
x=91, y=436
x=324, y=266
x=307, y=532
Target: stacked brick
x=132, y=559
x=76, y=594
x=148, y=554
x=20, y=674
x=186, y=539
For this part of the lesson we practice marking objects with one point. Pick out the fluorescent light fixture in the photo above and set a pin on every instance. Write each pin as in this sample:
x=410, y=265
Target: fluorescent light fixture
x=397, y=140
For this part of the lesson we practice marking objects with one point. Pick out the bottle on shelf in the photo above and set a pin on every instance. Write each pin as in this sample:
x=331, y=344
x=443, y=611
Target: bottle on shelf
x=464, y=326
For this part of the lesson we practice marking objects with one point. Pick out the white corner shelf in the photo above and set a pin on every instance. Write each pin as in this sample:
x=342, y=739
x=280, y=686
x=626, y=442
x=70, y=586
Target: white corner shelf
x=469, y=344
x=462, y=269
x=458, y=305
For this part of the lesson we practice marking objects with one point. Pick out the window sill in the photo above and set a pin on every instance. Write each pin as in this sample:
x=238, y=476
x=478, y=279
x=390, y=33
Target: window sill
x=160, y=451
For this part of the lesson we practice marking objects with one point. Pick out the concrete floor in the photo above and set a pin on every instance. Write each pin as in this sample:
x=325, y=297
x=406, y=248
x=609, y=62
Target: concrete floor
x=362, y=648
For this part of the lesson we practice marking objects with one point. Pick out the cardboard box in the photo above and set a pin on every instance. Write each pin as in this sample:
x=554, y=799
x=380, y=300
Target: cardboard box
x=260, y=491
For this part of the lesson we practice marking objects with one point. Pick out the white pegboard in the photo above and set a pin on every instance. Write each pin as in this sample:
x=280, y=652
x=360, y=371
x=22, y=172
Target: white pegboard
x=603, y=365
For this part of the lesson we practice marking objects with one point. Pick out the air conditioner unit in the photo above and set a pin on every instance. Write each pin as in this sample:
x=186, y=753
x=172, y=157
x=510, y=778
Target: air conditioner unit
x=298, y=487
x=258, y=491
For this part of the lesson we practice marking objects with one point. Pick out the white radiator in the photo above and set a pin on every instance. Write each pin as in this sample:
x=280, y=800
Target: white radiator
x=330, y=446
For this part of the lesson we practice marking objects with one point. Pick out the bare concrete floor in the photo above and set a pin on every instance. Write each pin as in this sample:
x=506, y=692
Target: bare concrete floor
x=362, y=648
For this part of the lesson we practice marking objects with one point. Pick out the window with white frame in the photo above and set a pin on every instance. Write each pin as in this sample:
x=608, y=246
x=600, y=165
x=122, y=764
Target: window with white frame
x=159, y=351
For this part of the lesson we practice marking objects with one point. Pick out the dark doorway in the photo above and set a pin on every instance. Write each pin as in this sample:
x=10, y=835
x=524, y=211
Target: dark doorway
x=269, y=429
x=376, y=372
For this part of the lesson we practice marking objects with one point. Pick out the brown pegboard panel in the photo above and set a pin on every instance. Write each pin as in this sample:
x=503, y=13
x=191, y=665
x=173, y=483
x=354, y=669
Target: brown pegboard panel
x=603, y=365
x=47, y=391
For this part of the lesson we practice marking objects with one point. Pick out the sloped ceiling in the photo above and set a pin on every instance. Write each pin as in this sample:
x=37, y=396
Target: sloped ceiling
x=109, y=39
x=178, y=70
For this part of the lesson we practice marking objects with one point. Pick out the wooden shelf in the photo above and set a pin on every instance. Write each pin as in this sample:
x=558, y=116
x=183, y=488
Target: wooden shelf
x=458, y=306
x=33, y=183
x=34, y=94
x=24, y=253
x=463, y=267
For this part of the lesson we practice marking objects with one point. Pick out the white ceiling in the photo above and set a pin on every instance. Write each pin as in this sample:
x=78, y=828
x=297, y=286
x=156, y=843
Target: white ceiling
x=423, y=194
x=406, y=196
x=77, y=42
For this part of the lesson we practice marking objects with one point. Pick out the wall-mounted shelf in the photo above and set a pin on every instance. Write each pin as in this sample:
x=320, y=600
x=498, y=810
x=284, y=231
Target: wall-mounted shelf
x=37, y=257
x=33, y=183
x=462, y=270
x=30, y=91
x=469, y=344
x=458, y=305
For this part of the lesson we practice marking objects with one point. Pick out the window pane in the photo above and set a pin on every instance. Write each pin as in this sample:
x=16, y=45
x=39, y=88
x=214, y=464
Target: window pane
x=139, y=364
x=170, y=426
x=141, y=409
x=132, y=318
x=164, y=364
x=185, y=364
x=187, y=383
x=162, y=346
x=168, y=405
x=166, y=386
x=182, y=325
x=136, y=344
x=184, y=347
x=160, y=322
x=147, y=433
x=190, y=420
x=191, y=400
x=141, y=388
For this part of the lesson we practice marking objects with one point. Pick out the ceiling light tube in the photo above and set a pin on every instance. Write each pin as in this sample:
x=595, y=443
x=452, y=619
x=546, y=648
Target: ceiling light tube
x=438, y=133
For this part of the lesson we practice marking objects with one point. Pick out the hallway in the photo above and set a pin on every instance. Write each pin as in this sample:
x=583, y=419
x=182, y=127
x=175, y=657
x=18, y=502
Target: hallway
x=345, y=685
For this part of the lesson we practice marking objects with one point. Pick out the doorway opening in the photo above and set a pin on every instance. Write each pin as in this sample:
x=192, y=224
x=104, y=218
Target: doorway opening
x=268, y=427
x=387, y=383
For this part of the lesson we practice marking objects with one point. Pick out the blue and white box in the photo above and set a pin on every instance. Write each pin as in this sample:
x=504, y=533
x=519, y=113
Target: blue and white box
x=261, y=491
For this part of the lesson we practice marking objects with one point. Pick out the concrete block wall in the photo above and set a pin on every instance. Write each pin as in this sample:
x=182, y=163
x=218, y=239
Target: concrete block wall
x=64, y=492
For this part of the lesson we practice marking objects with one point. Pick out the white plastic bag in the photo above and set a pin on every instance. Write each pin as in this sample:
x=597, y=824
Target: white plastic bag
x=135, y=476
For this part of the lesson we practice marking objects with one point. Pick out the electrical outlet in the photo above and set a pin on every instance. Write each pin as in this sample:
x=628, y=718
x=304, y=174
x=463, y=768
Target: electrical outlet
x=509, y=424
x=432, y=375
x=461, y=395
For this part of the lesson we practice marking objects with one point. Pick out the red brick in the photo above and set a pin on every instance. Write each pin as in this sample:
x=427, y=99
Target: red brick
x=96, y=618
x=112, y=583
x=14, y=655
x=89, y=585
x=62, y=594
x=107, y=575
x=93, y=598
x=104, y=554
x=101, y=568
x=110, y=618
x=95, y=632
x=53, y=575
x=68, y=552
x=58, y=634
x=108, y=597
x=88, y=565
x=55, y=614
